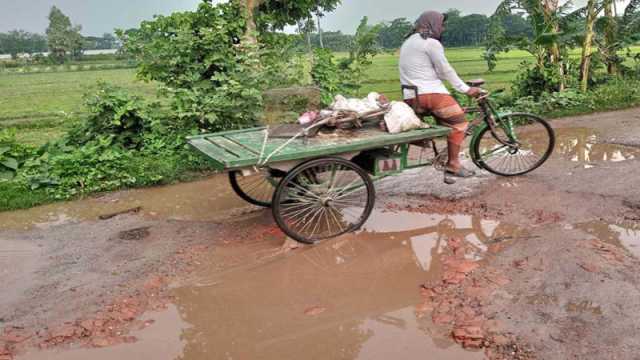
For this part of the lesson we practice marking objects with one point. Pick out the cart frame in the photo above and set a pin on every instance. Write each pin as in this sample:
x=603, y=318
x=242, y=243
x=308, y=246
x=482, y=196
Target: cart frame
x=367, y=155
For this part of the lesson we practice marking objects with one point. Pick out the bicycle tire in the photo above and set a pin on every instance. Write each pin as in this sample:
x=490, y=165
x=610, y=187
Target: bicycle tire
x=476, y=144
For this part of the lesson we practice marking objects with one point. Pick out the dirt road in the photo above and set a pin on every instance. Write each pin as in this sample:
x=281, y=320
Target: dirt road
x=543, y=266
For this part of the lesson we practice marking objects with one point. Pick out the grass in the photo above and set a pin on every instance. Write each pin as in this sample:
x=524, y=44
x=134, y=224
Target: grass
x=468, y=62
x=39, y=104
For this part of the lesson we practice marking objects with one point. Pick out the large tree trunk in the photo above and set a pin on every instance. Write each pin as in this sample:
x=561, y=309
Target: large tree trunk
x=249, y=8
x=585, y=64
x=610, y=37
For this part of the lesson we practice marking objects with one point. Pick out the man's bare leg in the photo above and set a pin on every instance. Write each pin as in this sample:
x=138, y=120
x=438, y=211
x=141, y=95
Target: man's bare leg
x=455, y=141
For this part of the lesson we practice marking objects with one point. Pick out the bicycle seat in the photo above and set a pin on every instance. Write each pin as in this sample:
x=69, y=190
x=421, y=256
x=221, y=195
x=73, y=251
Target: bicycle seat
x=476, y=82
x=422, y=113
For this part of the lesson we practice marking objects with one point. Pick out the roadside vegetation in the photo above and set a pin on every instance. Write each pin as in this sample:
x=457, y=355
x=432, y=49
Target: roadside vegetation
x=73, y=125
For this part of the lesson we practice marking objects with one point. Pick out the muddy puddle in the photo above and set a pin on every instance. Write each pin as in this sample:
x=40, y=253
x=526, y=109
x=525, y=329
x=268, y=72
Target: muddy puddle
x=582, y=145
x=204, y=200
x=349, y=298
x=622, y=234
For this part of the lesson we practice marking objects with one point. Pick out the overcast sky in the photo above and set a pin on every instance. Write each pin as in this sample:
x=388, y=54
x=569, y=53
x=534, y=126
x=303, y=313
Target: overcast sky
x=100, y=16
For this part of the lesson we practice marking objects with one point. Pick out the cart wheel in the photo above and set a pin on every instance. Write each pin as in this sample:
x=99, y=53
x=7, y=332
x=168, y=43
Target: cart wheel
x=256, y=189
x=323, y=199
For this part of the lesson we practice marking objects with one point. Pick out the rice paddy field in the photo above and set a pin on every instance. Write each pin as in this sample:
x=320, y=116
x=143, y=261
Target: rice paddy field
x=468, y=62
x=38, y=102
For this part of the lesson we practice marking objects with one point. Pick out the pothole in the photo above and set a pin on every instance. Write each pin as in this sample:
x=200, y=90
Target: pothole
x=625, y=234
x=135, y=234
x=583, y=145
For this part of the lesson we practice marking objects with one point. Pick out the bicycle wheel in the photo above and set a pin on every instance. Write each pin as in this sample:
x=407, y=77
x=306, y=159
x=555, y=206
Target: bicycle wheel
x=256, y=189
x=521, y=143
x=323, y=199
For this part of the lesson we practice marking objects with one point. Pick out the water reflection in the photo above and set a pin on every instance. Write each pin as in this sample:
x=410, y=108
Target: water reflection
x=623, y=234
x=582, y=145
x=366, y=285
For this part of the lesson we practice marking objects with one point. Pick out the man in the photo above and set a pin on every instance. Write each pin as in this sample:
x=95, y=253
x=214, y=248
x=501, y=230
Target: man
x=423, y=64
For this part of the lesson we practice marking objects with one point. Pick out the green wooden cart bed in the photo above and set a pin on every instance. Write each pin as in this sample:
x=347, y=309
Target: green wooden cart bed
x=319, y=187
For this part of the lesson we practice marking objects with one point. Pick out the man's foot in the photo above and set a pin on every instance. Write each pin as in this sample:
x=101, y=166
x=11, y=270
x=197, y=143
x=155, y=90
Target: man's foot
x=461, y=173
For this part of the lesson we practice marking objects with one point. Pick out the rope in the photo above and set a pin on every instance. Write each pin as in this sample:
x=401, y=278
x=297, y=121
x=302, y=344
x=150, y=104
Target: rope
x=279, y=149
x=264, y=145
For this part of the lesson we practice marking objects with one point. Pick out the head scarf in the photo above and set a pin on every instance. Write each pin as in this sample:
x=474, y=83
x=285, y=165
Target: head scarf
x=430, y=25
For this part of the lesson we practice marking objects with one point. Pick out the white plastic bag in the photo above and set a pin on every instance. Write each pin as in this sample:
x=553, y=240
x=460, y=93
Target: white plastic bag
x=402, y=118
x=370, y=103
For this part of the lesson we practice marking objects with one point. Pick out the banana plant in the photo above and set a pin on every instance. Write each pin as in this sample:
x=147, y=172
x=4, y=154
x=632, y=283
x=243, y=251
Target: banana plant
x=547, y=45
x=615, y=32
x=593, y=9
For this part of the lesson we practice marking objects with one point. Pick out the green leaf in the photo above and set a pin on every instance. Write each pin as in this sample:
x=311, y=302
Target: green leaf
x=10, y=163
x=4, y=149
x=6, y=175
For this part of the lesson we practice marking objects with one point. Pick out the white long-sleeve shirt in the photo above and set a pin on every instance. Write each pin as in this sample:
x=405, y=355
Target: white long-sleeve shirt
x=424, y=64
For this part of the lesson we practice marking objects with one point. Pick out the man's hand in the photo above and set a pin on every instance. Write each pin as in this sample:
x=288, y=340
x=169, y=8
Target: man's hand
x=475, y=92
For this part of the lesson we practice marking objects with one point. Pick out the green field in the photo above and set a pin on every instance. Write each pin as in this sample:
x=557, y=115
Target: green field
x=468, y=62
x=39, y=103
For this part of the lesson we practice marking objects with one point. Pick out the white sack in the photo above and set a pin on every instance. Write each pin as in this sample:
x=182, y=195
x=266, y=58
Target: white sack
x=402, y=118
x=360, y=106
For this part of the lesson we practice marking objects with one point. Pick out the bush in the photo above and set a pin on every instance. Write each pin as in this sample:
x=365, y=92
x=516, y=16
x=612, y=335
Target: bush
x=113, y=112
x=12, y=155
x=121, y=143
x=549, y=102
x=534, y=81
x=328, y=76
x=214, y=79
x=617, y=93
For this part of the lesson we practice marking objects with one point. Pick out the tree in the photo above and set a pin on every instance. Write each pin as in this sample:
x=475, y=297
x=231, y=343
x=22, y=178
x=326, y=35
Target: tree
x=264, y=15
x=610, y=36
x=585, y=63
x=64, y=39
x=545, y=17
x=615, y=33
x=305, y=28
x=392, y=34
x=467, y=30
x=108, y=42
x=320, y=31
x=21, y=42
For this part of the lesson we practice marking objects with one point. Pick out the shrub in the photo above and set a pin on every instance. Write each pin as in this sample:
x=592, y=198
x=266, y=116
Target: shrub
x=328, y=76
x=113, y=112
x=534, y=81
x=12, y=155
x=214, y=79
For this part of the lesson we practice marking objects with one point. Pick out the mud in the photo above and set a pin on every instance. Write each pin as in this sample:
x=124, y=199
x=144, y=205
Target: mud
x=205, y=200
x=543, y=266
x=352, y=298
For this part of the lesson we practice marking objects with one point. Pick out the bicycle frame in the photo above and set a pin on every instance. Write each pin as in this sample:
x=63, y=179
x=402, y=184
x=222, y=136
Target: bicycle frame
x=491, y=118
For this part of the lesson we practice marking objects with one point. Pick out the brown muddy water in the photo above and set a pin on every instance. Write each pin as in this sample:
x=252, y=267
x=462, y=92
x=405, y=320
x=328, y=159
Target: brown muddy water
x=349, y=298
x=624, y=234
x=582, y=145
x=204, y=200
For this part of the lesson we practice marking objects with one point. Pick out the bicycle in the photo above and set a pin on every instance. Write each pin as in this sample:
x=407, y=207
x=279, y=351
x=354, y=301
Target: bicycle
x=505, y=144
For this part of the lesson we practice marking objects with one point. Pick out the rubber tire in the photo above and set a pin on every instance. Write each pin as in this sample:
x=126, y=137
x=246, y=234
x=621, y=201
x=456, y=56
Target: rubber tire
x=475, y=151
x=233, y=179
x=371, y=197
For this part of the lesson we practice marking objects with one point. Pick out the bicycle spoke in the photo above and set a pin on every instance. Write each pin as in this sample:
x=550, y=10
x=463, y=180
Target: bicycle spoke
x=531, y=142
